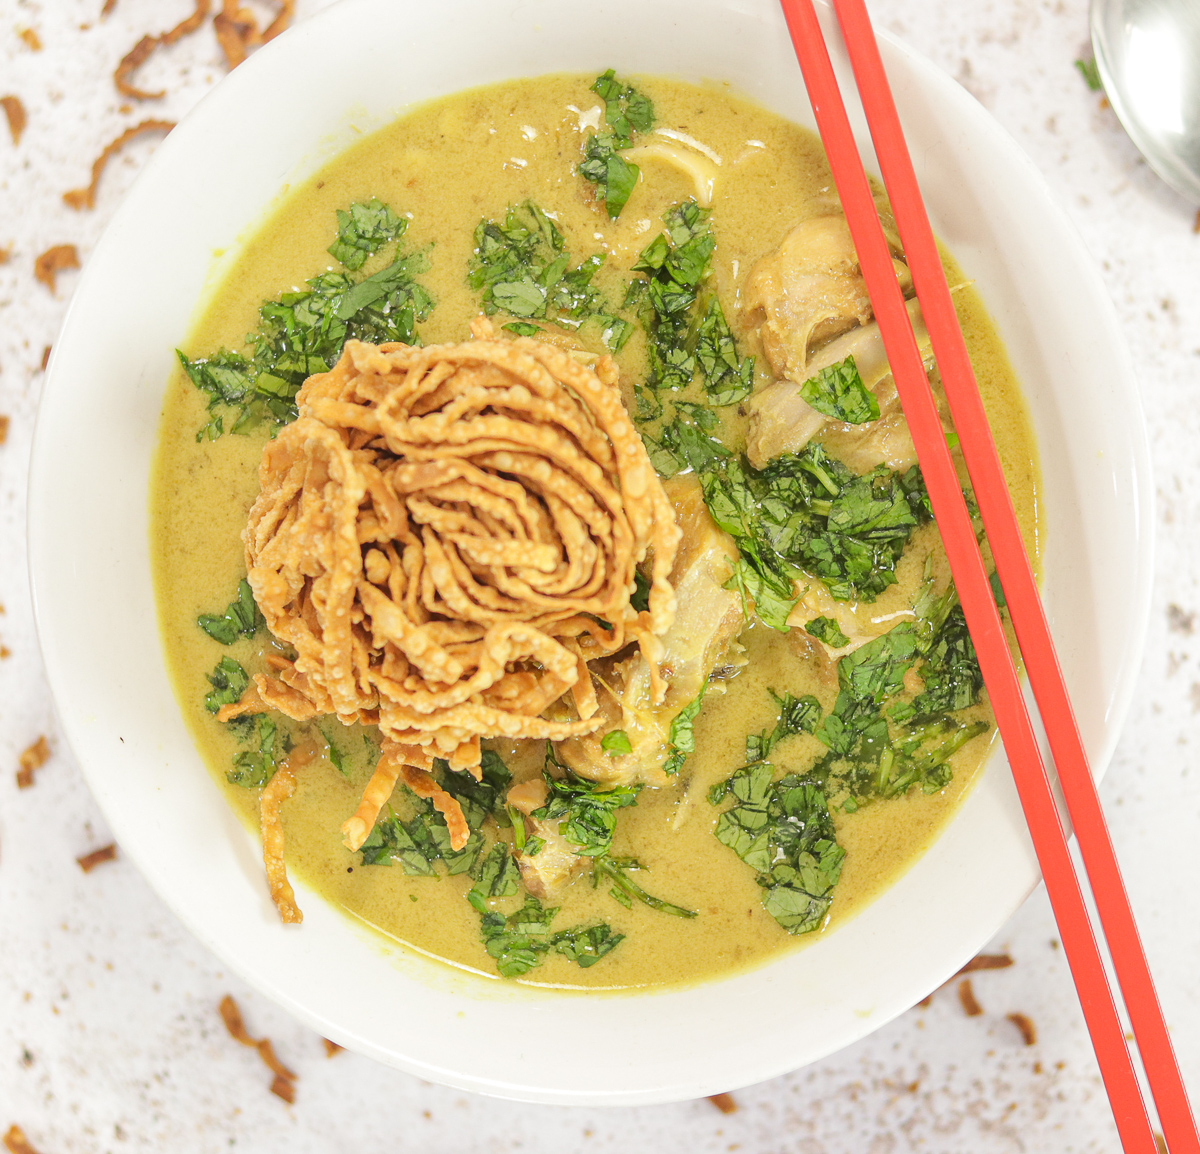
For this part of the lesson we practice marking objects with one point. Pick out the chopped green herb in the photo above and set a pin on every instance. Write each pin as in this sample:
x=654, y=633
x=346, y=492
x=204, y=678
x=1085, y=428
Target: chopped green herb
x=496, y=876
x=627, y=111
x=997, y=589
x=587, y=812
x=241, y=618
x=1090, y=72
x=827, y=630
x=627, y=891
x=838, y=392
x=229, y=681
x=478, y=799
x=254, y=768
x=807, y=512
x=522, y=270
x=336, y=759
x=519, y=942
x=682, y=737
x=362, y=230
x=728, y=378
x=302, y=333
x=783, y=831
x=616, y=742
x=585, y=946
x=796, y=715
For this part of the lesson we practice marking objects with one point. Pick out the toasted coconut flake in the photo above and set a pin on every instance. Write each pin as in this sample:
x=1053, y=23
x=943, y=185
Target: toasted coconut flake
x=14, y=112
x=1025, y=1024
x=3, y=429
x=90, y=861
x=32, y=40
x=136, y=56
x=966, y=997
x=109, y=5
x=331, y=1048
x=81, y=198
x=47, y=266
x=231, y=1015
x=45, y=357
x=31, y=760
x=5, y=652
x=437, y=536
x=15, y=1141
x=724, y=1102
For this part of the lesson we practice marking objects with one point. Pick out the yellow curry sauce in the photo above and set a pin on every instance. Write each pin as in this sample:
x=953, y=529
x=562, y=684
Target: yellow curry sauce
x=445, y=166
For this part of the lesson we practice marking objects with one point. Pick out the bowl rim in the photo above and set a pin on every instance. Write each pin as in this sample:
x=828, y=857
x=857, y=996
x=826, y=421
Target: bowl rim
x=209, y=915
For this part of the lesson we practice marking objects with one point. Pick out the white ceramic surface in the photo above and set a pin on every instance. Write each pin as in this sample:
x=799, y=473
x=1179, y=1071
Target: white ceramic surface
x=276, y=119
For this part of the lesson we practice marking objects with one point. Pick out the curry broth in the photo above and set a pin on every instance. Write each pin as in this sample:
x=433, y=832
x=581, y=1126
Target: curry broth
x=447, y=165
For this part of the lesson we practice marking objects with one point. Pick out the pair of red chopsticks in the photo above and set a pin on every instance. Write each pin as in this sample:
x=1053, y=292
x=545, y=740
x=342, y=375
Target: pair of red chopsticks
x=1016, y=577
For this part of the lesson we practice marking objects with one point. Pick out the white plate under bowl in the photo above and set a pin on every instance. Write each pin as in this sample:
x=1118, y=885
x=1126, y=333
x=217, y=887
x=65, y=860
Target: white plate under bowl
x=276, y=119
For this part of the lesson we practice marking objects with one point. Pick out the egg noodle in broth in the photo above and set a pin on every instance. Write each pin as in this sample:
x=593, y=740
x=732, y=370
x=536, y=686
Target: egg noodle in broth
x=750, y=701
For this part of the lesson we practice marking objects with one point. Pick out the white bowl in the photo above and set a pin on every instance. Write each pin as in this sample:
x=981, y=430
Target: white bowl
x=275, y=120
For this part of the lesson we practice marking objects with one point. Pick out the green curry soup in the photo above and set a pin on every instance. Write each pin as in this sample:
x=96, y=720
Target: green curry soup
x=858, y=751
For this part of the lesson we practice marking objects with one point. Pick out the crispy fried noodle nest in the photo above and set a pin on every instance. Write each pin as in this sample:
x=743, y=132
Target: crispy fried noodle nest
x=445, y=536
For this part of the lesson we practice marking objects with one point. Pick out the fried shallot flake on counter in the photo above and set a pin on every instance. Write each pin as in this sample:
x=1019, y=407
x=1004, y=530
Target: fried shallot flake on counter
x=90, y=861
x=284, y=1085
x=446, y=536
x=136, y=56
x=237, y=29
x=14, y=113
x=31, y=760
x=47, y=266
x=15, y=1141
x=81, y=198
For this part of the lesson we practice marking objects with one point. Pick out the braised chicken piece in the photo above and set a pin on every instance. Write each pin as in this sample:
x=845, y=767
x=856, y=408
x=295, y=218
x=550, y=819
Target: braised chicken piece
x=555, y=865
x=782, y=421
x=707, y=620
x=859, y=621
x=808, y=290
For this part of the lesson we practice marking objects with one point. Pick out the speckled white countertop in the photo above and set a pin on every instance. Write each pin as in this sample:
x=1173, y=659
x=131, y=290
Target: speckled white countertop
x=109, y=1035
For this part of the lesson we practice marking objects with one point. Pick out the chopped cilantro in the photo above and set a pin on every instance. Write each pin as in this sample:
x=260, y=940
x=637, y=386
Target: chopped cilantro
x=838, y=392
x=241, y=618
x=302, y=333
x=682, y=737
x=625, y=890
x=336, y=758
x=827, y=630
x=807, y=512
x=519, y=941
x=522, y=270
x=363, y=229
x=783, y=831
x=796, y=715
x=586, y=945
x=229, y=681
x=496, y=876
x=728, y=378
x=616, y=742
x=255, y=767
x=587, y=811
x=626, y=111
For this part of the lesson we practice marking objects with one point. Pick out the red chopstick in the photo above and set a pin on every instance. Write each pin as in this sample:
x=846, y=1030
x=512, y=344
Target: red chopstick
x=1016, y=576
x=1020, y=586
